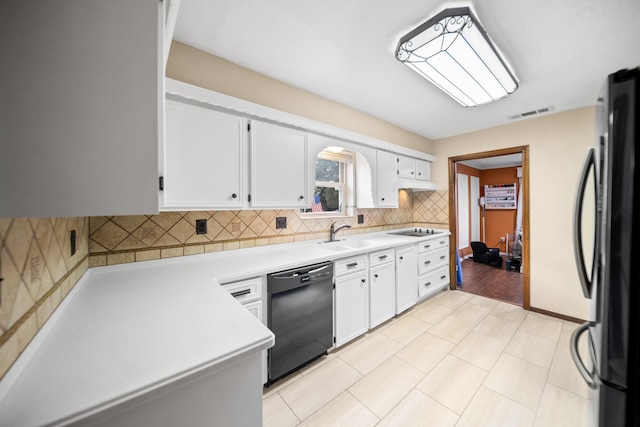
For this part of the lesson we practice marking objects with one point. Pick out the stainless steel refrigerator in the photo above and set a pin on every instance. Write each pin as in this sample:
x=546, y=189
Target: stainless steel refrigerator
x=611, y=362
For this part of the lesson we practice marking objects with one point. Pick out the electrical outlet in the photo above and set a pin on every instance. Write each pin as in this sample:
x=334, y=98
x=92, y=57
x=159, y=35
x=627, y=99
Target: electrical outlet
x=360, y=219
x=501, y=239
x=201, y=226
x=281, y=222
x=72, y=240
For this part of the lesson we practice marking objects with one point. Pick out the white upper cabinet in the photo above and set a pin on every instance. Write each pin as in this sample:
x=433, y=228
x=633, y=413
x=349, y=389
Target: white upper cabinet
x=203, y=158
x=387, y=176
x=82, y=107
x=423, y=170
x=278, y=166
x=406, y=167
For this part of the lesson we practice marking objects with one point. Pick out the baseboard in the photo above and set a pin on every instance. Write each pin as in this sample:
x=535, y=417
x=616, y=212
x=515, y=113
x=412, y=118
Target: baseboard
x=556, y=315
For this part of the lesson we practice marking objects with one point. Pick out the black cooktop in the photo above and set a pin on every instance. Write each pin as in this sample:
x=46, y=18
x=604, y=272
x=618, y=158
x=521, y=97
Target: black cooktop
x=417, y=232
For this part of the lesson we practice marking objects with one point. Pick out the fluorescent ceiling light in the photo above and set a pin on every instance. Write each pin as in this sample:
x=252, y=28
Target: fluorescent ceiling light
x=453, y=52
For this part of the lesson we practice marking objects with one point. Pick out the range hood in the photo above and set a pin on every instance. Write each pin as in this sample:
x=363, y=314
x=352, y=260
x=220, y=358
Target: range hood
x=414, y=184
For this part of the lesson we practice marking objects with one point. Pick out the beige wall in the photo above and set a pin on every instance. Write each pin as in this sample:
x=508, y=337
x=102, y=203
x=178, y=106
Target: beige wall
x=202, y=69
x=557, y=145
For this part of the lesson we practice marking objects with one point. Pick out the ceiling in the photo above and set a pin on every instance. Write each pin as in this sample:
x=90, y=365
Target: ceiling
x=560, y=51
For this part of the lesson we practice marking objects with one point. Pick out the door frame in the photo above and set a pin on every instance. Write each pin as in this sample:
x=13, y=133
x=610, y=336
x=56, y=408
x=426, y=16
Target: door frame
x=526, y=271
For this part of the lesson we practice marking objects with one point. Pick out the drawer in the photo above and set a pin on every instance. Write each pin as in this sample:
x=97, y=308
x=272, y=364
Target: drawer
x=432, y=259
x=433, y=244
x=246, y=290
x=350, y=265
x=381, y=257
x=433, y=281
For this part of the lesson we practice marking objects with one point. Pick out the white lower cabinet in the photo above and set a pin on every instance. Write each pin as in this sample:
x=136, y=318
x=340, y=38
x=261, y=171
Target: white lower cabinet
x=382, y=287
x=406, y=278
x=249, y=293
x=351, y=299
x=433, y=266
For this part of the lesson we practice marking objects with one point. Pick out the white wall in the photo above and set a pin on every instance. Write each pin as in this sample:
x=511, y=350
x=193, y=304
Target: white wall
x=557, y=147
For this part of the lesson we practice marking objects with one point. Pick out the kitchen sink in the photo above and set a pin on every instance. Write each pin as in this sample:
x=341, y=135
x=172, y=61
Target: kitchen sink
x=345, y=245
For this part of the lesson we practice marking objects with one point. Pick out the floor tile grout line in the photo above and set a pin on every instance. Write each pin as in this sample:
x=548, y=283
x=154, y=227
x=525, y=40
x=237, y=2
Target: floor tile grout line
x=518, y=327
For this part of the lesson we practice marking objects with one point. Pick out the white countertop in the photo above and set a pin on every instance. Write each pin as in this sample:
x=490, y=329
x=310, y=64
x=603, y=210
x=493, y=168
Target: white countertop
x=130, y=329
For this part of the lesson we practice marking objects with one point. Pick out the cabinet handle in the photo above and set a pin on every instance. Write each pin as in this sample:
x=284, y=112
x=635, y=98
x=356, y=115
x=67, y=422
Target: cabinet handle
x=442, y=242
x=427, y=262
x=353, y=264
x=427, y=284
x=442, y=277
x=240, y=293
x=381, y=257
x=363, y=280
x=427, y=246
x=401, y=258
x=301, y=197
x=234, y=195
x=411, y=173
x=442, y=257
x=419, y=173
x=375, y=275
x=382, y=199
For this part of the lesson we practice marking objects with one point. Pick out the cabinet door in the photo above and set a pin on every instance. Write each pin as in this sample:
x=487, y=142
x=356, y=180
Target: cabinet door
x=278, y=166
x=203, y=158
x=406, y=278
x=387, y=180
x=406, y=167
x=351, y=307
x=82, y=107
x=382, y=293
x=423, y=170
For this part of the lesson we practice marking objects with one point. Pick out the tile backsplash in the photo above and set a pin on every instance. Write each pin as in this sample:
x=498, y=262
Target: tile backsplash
x=38, y=270
x=123, y=239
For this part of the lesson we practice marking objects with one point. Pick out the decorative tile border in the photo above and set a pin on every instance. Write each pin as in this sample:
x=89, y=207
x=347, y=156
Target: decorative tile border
x=38, y=271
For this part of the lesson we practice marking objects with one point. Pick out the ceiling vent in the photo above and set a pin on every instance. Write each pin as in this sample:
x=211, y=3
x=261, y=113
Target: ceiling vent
x=532, y=113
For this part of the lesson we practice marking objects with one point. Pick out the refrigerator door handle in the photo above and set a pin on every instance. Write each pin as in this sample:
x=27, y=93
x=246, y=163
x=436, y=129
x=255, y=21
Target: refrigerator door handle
x=575, y=355
x=577, y=225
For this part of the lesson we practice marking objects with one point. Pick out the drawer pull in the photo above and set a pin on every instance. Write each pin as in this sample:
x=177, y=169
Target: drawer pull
x=381, y=257
x=240, y=293
x=427, y=262
x=351, y=265
x=363, y=280
x=375, y=275
x=442, y=242
x=427, y=284
x=443, y=277
x=427, y=246
x=443, y=257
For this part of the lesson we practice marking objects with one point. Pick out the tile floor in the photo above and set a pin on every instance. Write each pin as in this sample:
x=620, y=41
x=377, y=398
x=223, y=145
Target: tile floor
x=454, y=360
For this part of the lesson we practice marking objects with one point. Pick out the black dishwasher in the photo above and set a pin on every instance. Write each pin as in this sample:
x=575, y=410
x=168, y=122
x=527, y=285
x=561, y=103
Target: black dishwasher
x=300, y=314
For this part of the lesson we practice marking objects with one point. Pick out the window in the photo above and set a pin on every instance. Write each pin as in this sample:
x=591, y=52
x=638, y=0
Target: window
x=332, y=194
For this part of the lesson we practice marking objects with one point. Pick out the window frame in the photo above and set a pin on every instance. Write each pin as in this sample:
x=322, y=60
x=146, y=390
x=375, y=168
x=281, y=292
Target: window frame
x=345, y=185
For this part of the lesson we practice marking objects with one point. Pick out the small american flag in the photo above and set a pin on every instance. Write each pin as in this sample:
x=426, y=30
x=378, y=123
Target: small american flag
x=316, y=205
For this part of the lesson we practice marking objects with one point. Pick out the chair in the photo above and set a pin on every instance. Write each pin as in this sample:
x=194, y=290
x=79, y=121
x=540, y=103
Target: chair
x=481, y=253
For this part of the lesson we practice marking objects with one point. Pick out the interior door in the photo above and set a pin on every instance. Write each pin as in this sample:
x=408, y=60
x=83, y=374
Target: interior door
x=463, y=211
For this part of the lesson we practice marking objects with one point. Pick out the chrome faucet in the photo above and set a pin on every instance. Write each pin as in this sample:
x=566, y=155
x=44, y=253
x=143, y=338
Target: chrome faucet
x=333, y=231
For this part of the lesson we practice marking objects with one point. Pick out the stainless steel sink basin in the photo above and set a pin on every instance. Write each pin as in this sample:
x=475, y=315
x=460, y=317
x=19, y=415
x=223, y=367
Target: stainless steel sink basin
x=344, y=245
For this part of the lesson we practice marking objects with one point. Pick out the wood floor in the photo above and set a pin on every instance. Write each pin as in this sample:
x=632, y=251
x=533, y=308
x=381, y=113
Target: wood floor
x=491, y=282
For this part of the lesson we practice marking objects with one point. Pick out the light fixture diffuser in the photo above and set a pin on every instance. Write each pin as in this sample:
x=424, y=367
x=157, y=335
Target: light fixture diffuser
x=453, y=52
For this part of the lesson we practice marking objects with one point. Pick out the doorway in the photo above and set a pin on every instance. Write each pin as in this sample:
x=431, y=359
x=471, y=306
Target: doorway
x=502, y=283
